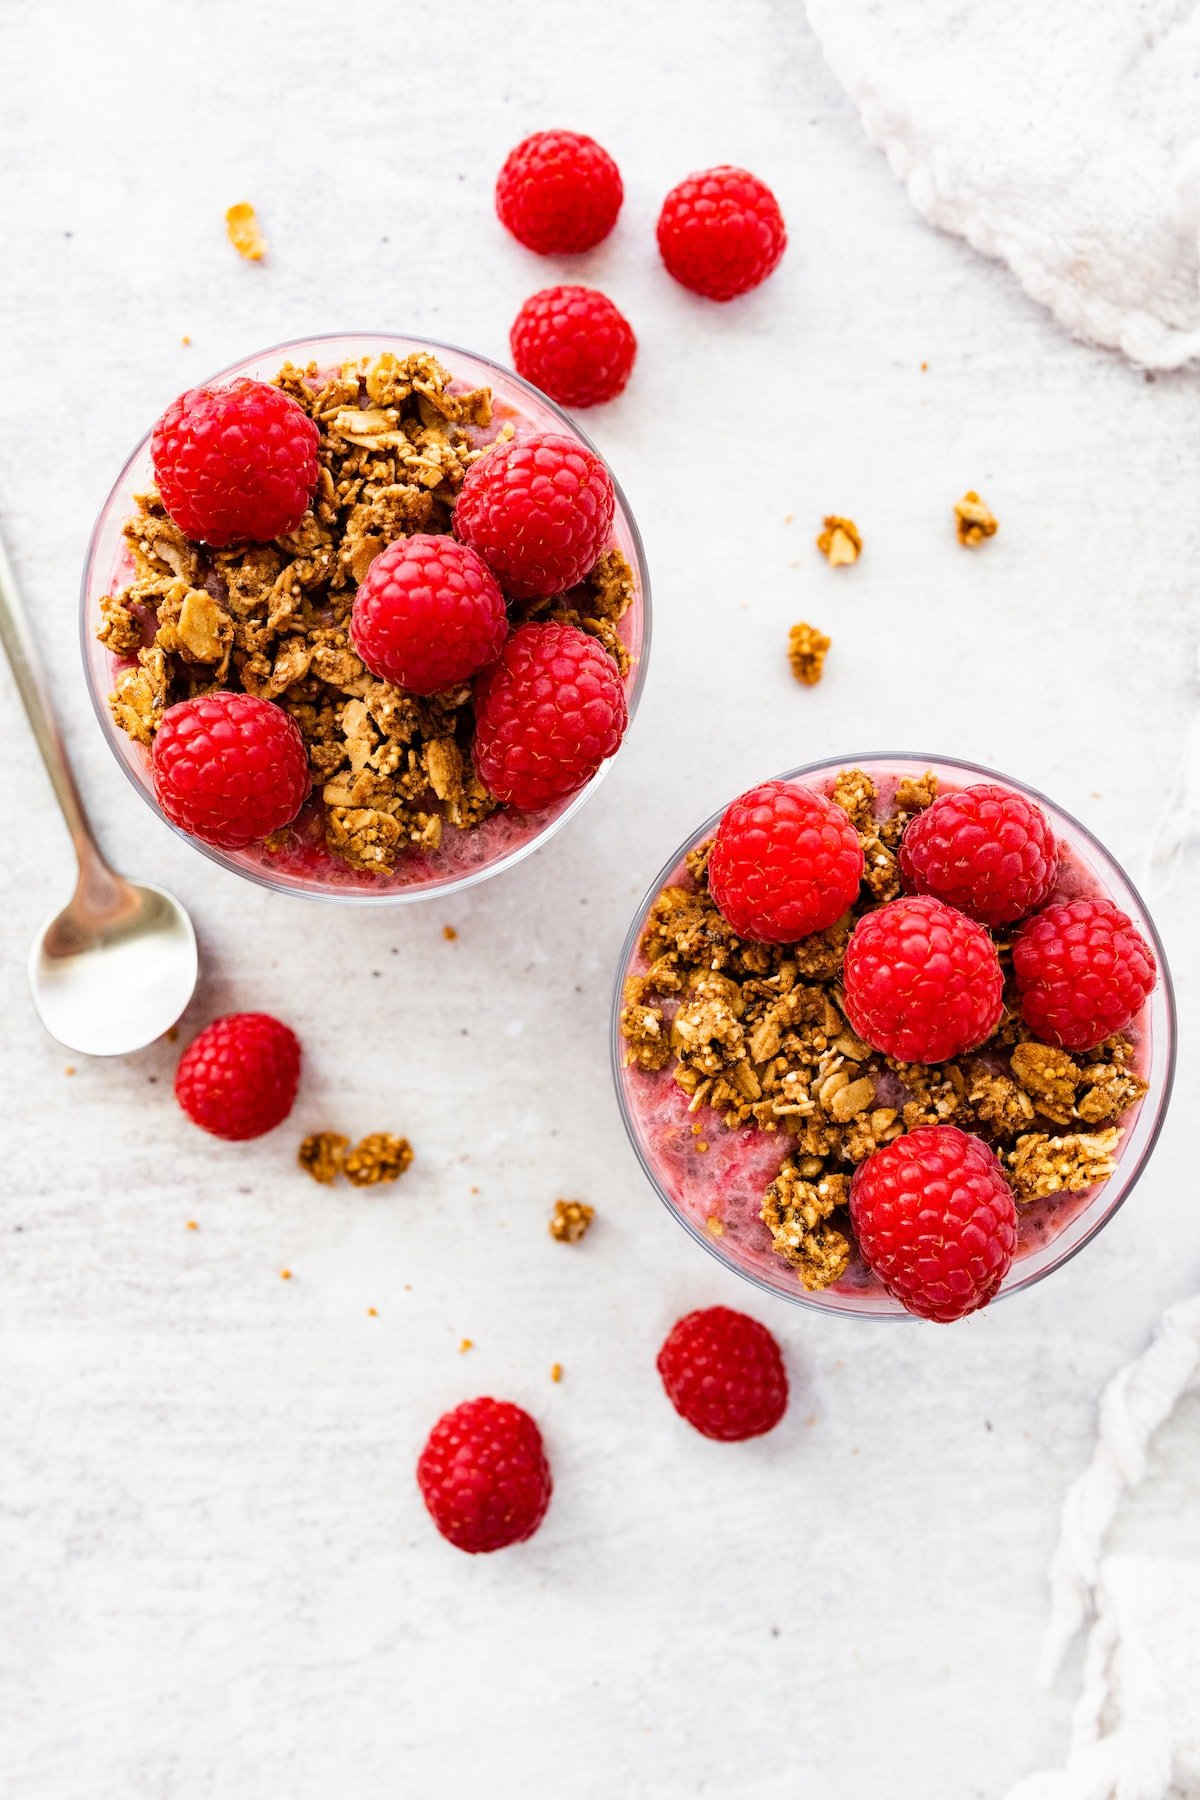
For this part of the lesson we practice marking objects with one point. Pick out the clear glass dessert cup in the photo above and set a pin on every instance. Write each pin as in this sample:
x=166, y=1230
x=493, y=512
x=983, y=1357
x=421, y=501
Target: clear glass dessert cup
x=465, y=857
x=715, y=1194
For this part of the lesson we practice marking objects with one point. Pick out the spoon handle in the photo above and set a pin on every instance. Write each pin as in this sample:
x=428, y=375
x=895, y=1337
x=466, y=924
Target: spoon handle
x=30, y=677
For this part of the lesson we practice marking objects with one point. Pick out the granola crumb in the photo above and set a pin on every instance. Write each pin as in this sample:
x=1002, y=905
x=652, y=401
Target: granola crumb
x=192, y=1225
x=556, y=1371
x=467, y=1344
x=714, y=1226
x=841, y=542
x=807, y=649
x=924, y=367
x=372, y=1312
x=796, y=1212
x=285, y=1274
x=185, y=339
x=376, y=1158
x=70, y=1069
x=974, y=520
x=322, y=1154
x=1040, y=1165
x=572, y=1220
x=1050, y=1077
x=241, y=223
x=449, y=933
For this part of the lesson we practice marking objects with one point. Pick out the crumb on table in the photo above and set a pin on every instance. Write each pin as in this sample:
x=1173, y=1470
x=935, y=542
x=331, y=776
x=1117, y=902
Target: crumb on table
x=807, y=649
x=245, y=234
x=572, y=1219
x=974, y=520
x=840, y=543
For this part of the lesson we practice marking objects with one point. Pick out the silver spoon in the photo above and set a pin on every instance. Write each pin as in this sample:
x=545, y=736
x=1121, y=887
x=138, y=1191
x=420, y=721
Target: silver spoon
x=114, y=969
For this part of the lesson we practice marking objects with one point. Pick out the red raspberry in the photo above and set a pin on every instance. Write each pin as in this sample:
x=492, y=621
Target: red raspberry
x=723, y=1373
x=574, y=344
x=428, y=614
x=559, y=193
x=538, y=511
x=986, y=850
x=785, y=862
x=239, y=1077
x=229, y=768
x=921, y=981
x=721, y=232
x=1083, y=970
x=235, y=464
x=483, y=1475
x=935, y=1220
x=546, y=715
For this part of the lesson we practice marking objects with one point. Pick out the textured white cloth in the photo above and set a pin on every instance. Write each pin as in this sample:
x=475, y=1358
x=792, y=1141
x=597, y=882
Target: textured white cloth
x=1063, y=139
x=1136, y=1726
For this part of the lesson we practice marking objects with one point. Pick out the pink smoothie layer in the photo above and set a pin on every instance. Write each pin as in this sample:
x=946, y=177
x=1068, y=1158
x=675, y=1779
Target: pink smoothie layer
x=305, y=858
x=720, y=1189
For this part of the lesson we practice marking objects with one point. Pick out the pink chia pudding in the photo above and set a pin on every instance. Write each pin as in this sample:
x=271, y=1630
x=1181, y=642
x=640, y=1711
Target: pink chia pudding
x=713, y=1168
x=300, y=859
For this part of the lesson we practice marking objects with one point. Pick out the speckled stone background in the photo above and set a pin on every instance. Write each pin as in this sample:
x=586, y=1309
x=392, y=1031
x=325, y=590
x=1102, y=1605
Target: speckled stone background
x=216, y=1577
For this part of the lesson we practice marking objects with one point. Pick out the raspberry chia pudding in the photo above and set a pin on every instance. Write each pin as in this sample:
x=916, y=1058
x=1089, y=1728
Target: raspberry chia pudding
x=893, y=1035
x=365, y=618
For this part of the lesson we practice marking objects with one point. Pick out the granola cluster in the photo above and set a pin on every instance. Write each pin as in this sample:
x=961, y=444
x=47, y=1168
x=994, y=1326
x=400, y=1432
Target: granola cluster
x=378, y=1157
x=393, y=771
x=756, y=1032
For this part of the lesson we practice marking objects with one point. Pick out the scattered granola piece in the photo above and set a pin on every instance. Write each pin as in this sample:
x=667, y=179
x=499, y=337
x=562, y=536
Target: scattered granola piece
x=1050, y=1077
x=285, y=1274
x=715, y=1227
x=571, y=1221
x=241, y=223
x=449, y=933
x=372, y=1312
x=841, y=541
x=807, y=648
x=322, y=1153
x=192, y=1225
x=70, y=1069
x=467, y=1344
x=1043, y=1165
x=974, y=520
x=379, y=1157
x=556, y=1371
x=796, y=1212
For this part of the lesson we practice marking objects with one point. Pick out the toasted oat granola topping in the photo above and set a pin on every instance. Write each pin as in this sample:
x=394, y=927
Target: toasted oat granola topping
x=807, y=649
x=241, y=223
x=393, y=771
x=571, y=1220
x=840, y=543
x=378, y=1157
x=974, y=521
x=756, y=1033
x=323, y=1154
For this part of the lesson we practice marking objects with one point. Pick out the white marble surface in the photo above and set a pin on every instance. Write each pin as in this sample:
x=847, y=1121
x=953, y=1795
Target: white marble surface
x=216, y=1577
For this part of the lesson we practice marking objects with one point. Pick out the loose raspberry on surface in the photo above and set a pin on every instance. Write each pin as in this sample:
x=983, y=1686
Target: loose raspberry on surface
x=229, y=768
x=935, y=1221
x=986, y=850
x=547, y=714
x=785, y=862
x=538, y=511
x=235, y=464
x=428, y=614
x=721, y=232
x=723, y=1373
x=559, y=193
x=921, y=981
x=483, y=1475
x=239, y=1077
x=1083, y=971
x=574, y=344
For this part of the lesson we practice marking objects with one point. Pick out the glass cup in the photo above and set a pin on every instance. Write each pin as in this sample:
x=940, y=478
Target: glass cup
x=739, y=1164
x=465, y=857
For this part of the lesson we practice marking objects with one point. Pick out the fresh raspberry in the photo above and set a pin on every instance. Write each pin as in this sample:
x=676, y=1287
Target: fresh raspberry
x=427, y=614
x=559, y=193
x=573, y=344
x=538, y=511
x=986, y=850
x=1083, y=970
x=721, y=232
x=921, y=981
x=229, y=768
x=483, y=1475
x=546, y=715
x=235, y=464
x=723, y=1373
x=935, y=1220
x=239, y=1077
x=785, y=862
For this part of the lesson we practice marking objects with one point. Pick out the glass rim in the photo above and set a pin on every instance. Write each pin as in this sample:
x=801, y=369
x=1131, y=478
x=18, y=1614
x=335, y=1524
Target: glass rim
x=396, y=896
x=864, y=759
